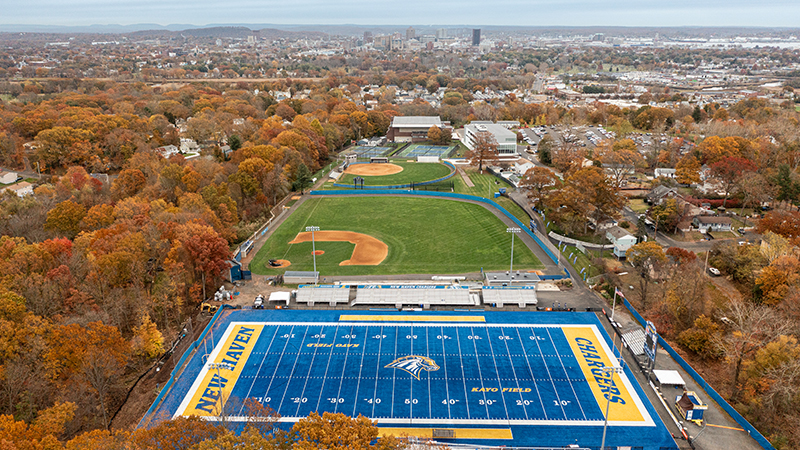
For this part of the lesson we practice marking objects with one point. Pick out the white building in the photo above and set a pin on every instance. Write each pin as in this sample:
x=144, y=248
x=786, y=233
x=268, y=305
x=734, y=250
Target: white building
x=21, y=189
x=8, y=177
x=667, y=173
x=506, y=140
x=621, y=239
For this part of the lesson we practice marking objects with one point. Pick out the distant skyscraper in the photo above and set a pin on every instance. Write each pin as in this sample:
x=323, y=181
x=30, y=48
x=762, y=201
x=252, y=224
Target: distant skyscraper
x=410, y=34
x=367, y=37
x=476, y=36
x=441, y=33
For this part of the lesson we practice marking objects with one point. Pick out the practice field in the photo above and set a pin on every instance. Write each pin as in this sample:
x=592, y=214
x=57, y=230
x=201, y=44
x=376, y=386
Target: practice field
x=423, y=235
x=495, y=376
x=414, y=150
x=412, y=173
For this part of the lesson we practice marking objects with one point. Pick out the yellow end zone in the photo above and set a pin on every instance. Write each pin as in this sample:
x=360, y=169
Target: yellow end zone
x=215, y=389
x=592, y=357
x=459, y=433
x=366, y=318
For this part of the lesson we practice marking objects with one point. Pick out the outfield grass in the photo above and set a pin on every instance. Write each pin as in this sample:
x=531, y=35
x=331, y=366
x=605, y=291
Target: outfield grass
x=412, y=173
x=424, y=235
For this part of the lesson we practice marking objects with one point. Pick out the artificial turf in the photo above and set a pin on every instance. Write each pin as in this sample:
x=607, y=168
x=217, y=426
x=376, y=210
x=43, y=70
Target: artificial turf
x=413, y=172
x=435, y=236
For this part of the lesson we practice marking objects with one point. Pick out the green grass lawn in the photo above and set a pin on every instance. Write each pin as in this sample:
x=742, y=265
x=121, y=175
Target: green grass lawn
x=638, y=205
x=424, y=236
x=412, y=173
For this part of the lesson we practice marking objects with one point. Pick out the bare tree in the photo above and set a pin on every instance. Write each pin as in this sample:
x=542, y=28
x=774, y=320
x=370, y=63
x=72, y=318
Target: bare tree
x=485, y=151
x=751, y=326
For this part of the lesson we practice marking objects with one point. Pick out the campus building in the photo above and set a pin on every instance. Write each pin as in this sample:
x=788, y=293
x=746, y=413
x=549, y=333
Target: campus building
x=413, y=128
x=506, y=140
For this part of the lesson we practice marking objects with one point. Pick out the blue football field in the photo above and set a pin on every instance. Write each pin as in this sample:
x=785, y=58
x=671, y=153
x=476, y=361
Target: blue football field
x=493, y=378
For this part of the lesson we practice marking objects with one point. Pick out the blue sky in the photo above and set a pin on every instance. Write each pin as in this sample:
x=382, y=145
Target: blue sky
x=777, y=13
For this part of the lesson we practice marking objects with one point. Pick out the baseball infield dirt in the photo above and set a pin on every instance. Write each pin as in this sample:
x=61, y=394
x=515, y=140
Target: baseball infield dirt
x=374, y=170
x=367, y=252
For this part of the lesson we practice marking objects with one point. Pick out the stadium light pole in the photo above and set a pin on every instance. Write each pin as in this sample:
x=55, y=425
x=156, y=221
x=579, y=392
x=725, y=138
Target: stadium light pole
x=312, y=229
x=217, y=366
x=513, y=231
x=608, y=371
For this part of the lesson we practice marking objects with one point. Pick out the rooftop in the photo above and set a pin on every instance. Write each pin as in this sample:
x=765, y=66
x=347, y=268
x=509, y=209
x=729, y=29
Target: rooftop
x=416, y=121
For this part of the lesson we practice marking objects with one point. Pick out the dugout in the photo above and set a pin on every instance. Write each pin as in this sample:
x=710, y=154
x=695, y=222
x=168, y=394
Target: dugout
x=298, y=277
x=378, y=160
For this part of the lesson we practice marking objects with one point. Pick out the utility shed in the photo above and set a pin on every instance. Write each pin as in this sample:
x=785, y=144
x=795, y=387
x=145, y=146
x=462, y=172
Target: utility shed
x=279, y=297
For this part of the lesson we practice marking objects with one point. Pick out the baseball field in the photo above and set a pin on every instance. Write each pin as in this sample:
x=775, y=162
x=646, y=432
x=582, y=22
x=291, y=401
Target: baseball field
x=421, y=235
x=409, y=172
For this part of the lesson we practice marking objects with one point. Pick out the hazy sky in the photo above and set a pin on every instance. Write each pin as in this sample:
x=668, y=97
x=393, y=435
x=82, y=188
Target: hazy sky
x=781, y=13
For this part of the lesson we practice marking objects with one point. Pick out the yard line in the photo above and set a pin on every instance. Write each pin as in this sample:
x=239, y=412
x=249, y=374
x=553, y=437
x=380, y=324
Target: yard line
x=377, y=371
x=555, y=390
x=360, y=369
x=444, y=363
x=394, y=372
x=411, y=380
x=325, y=375
x=428, y=354
x=291, y=373
x=480, y=372
x=533, y=376
x=567, y=375
x=494, y=360
x=274, y=372
x=308, y=373
x=344, y=367
x=463, y=377
x=258, y=372
x=508, y=353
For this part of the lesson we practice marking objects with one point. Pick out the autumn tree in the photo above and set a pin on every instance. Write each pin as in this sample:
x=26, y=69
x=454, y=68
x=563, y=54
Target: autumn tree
x=728, y=171
x=647, y=258
x=128, y=183
x=537, y=181
x=439, y=136
x=180, y=433
x=336, y=431
x=618, y=158
x=687, y=171
x=66, y=218
x=484, y=151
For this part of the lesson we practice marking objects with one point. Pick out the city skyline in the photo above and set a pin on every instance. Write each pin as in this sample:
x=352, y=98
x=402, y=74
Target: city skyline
x=630, y=13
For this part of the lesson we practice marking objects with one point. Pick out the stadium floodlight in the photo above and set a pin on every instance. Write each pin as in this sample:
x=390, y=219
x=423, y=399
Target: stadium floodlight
x=217, y=366
x=312, y=229
x=513, y=231
x=608, y=371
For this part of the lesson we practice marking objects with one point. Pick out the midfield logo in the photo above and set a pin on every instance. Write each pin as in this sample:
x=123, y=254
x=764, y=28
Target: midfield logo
x=413, y=364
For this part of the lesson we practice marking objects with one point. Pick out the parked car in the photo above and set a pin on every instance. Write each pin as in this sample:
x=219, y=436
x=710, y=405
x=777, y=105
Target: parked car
x=714, y=271
x=258, y=303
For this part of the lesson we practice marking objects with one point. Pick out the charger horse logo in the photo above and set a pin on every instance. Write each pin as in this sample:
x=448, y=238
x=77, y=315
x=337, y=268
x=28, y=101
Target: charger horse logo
x=413, y=364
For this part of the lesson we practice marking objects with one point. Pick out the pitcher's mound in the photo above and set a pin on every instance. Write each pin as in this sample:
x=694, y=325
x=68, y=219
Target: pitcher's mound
x=374, y=170
x=318, y=252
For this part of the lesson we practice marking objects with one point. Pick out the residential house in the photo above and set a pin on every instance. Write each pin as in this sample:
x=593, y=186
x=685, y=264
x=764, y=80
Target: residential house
x=621, y=239
x=704, y=224
x=8, y=177
x=21, y=189
x=168, y=150
x=660, y=193
x=666, y=173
